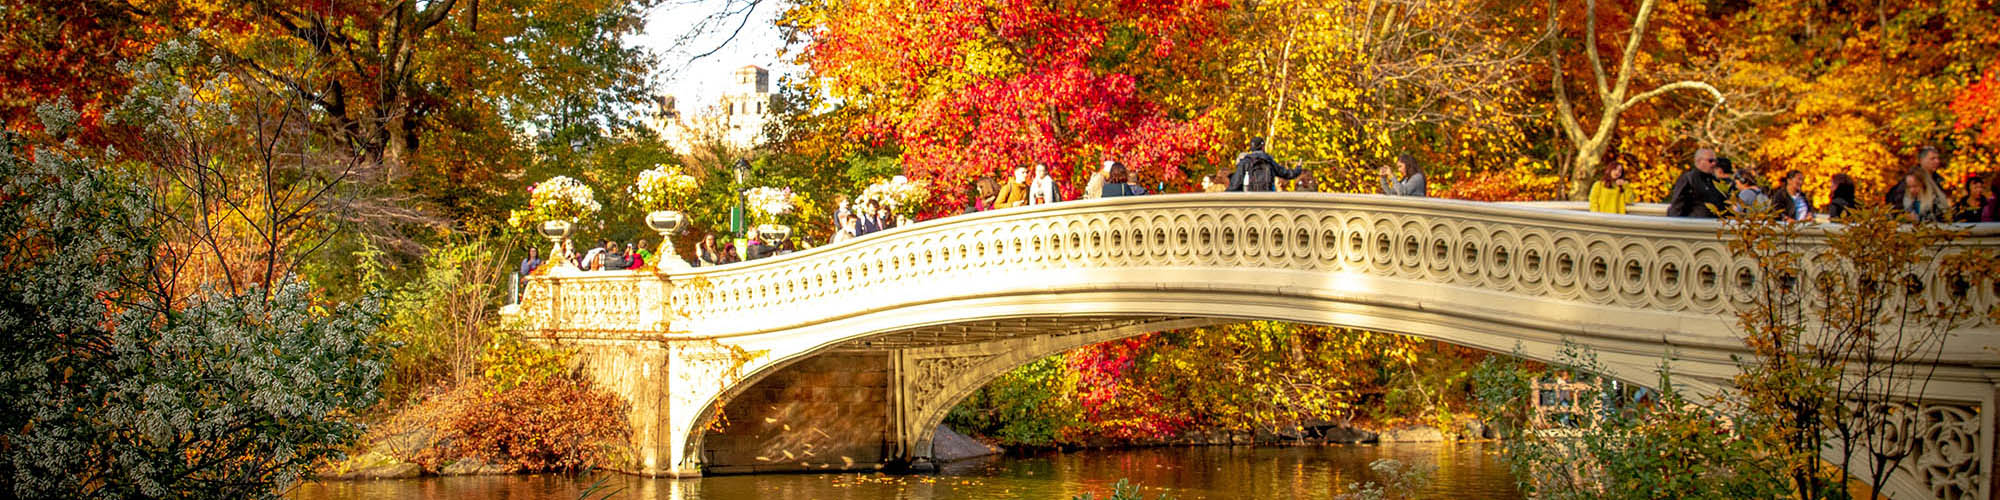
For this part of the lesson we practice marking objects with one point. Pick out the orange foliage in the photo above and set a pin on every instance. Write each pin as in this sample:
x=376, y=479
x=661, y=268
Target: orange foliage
x=1518, y=184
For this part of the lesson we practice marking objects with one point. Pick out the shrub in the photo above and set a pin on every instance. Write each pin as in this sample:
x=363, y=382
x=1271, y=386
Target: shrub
x=554, y=423
x=1665, y=447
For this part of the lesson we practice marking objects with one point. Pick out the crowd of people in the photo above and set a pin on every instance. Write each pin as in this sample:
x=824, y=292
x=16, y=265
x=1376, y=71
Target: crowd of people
x=1255, y=170
x=608, y=255
x=1714, y=186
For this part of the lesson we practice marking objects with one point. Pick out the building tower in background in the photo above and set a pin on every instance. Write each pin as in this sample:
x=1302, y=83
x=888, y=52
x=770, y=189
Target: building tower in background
x=747, y=106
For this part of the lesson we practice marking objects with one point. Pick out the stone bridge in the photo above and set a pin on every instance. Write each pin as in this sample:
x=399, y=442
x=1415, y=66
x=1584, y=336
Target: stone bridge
x=847, y=356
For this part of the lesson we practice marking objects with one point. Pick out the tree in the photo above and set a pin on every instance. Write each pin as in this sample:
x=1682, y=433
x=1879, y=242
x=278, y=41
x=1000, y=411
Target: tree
x=118, y=392
x=976, y=89
x=1843, y=338
x=1613, y=92
x=1344, y=87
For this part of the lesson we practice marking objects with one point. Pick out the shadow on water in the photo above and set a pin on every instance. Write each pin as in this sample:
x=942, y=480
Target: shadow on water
x=1470, y=470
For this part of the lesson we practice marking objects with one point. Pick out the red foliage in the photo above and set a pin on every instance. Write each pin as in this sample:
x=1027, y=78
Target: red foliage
x=979, y=88
x=66, y=49
x=1978, y=107
x=1116, y=404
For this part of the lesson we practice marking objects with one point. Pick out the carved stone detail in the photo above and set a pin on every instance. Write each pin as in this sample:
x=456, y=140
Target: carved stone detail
x=1942, y=441
x=933, y=375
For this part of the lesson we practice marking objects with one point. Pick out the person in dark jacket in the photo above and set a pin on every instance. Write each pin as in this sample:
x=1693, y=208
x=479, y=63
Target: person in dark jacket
x=1695, y=193
x=1841, y=199
x=1930, y=160
x=1791, y=198
x=1257, y=171
x=1119, y=183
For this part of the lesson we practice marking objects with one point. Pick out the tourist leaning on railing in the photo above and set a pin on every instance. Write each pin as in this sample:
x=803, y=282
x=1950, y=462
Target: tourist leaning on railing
x=636, y=258
x=848, y=223
x=1095, y=187
x=1695, y=193
x=1043, y=188
x=704, y=253
x=1410, y=184
x=1986, y=193
x=1118, y=183
x=1792, y=198
x=1015, y=193
x=1923, y=200
x=1611, y=193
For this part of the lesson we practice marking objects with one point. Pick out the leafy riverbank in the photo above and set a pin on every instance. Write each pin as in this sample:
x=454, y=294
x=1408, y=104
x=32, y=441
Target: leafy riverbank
x=1245, y=383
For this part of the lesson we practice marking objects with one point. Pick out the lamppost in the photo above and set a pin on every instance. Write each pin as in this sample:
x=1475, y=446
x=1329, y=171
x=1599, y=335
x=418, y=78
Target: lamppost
x=736, y=223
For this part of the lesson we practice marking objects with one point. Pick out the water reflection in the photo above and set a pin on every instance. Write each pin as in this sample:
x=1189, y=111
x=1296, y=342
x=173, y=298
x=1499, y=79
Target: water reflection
x=1463, y=471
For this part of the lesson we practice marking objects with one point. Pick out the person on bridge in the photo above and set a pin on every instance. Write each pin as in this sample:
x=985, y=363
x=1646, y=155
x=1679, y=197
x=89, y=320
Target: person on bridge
x=1930, y=160
x=1412, y=181
x=1792, y=198
x=634, y=258
x=885, y=219
x=1923, y=201
x=1214, y=183
x=591, y=260
x=869, y=223
x=1986, y=193
x=530, y=264
x=1256, y=170
x=1695, y=193
x=846, y=230
x=1015, y=193
x=1118, y=183
x=704, y=254
x=1841, y=199
x=1095, y=187
x=1043, y=189
x=1750, y=197
x=1611, y=193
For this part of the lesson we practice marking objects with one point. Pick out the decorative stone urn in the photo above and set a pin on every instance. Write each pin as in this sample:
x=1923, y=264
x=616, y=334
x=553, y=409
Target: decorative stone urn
x=558, y=232
x=667, y=223
x=774, y=234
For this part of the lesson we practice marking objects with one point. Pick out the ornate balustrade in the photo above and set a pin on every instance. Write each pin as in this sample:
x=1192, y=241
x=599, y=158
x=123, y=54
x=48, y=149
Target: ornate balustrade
x=605, y=305
x=1646, y=263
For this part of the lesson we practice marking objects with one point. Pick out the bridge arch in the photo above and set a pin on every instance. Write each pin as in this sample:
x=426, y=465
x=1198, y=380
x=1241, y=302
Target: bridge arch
x=1635, y=290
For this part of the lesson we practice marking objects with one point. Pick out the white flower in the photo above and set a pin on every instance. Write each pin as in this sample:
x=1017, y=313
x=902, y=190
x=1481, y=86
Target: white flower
x=767, y=202
x=562, y=198
x=900, y=194
x=663, y=188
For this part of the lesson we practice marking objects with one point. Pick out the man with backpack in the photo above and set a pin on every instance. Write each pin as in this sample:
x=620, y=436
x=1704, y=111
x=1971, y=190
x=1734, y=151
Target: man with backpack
x=1257, y=171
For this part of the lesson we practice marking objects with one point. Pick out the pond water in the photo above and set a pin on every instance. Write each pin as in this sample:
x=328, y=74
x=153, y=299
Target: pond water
x=1462, y=470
